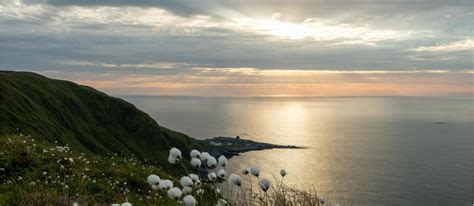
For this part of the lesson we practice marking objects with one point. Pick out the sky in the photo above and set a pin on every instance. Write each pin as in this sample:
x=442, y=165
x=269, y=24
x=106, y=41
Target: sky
x=245, y=48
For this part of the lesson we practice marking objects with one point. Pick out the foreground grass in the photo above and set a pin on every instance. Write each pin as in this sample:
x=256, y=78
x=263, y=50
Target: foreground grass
x=39, y=173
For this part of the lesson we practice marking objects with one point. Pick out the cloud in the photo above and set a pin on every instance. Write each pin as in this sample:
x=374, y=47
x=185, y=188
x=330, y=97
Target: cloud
x=462, y=45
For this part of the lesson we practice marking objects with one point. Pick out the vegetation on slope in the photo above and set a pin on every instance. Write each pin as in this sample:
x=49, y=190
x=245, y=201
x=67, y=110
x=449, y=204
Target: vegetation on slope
x=34, y=172
x=87, y=120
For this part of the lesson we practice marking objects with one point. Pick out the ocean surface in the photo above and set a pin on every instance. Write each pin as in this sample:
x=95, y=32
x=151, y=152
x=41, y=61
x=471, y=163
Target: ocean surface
x=362, y=151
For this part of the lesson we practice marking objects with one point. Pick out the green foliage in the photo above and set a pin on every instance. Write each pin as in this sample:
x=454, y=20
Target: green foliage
x=34, y=172
x=87, y=120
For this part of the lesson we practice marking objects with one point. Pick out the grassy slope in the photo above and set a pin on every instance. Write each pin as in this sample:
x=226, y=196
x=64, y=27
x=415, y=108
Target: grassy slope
x=83, y=118
x=31, y=174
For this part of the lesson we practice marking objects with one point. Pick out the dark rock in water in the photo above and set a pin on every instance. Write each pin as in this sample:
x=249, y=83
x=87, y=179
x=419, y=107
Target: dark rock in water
x=230, y=146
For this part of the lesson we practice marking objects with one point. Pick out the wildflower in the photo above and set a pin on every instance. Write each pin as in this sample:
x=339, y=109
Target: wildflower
x=195, y=162
x=222, y=161
x=200, y=191
x=189, y=200
x=255, y=171
x=204, y=156
x=197, y=183
x=172, y=160
x=186, y=181
x=175, y=153
x=71, y=160
x=174, y=193
x=165, y=184
x=322, y=200
x=155, y=187
x=265, y=185
x=194, y=177
x=218, y=191
x=212, y=176
x=221, y=174
x=235, y=179
x=245, y=171
x=194, y=153
x=45, y=173
x=75, y=204
x=283, y=172
x=115, y=204
x=187, y=190
x=126, y=204
x=211, y=162
x=153, y=179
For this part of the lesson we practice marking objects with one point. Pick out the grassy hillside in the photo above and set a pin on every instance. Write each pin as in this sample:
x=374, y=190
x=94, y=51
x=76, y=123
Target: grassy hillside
x=87, y=120
x=34, y=172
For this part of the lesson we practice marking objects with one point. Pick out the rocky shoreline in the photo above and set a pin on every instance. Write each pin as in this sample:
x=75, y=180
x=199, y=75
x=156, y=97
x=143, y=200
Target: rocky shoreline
x=233, y=146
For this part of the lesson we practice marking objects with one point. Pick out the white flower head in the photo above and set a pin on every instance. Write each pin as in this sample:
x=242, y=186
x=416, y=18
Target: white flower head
x=222, y=161
x=175, y=152
x=195, y=153
x=204, y=156
x=255, y=171
x=265, y=185
x=187, y=190
x=218, y=191
x=194, y=177
x=221, y=173
x=197, y=183
x=212, y=176
x=283, y=172
x=115, y=204
x=322, y=199
x=245, y=171
x=189, y=200
x=235, y=179
x=126, y=204
x=186, y=181
x=211, y=162
x=172, y=159
x=153, y=179
x=155, y=187
x=165, y=185
x=195, y=162
x=174, y=193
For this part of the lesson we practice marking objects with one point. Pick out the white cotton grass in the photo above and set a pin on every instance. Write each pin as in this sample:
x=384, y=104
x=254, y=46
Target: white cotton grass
x=194, y=177
x=211, y=162
x=235, y=179
x=189, y=200
x=245, y=171
x=205, y=156
x=155, y=187
x=172, y=160
x=212, y=176
x=221, y=173
x=126, y=204
x=175, y=152
x=187, y=190
x=186, y=181
x=165, y=185
x=174, y=193
x=255, y=171
x=195, y=162
x=283, y=172
x=222, y=161
x=115, y=204
x=153, y=179
x=195, y=154
x=265, y=185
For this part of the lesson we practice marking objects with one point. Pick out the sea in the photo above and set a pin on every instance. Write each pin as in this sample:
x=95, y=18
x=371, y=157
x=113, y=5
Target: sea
x=360, y=150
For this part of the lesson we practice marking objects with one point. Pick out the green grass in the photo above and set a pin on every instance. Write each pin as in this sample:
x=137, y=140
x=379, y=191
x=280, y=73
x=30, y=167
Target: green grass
x=84, y=118
x=31, y=174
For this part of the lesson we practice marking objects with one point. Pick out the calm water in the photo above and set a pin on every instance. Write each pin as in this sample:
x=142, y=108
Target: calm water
x=363, y=151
